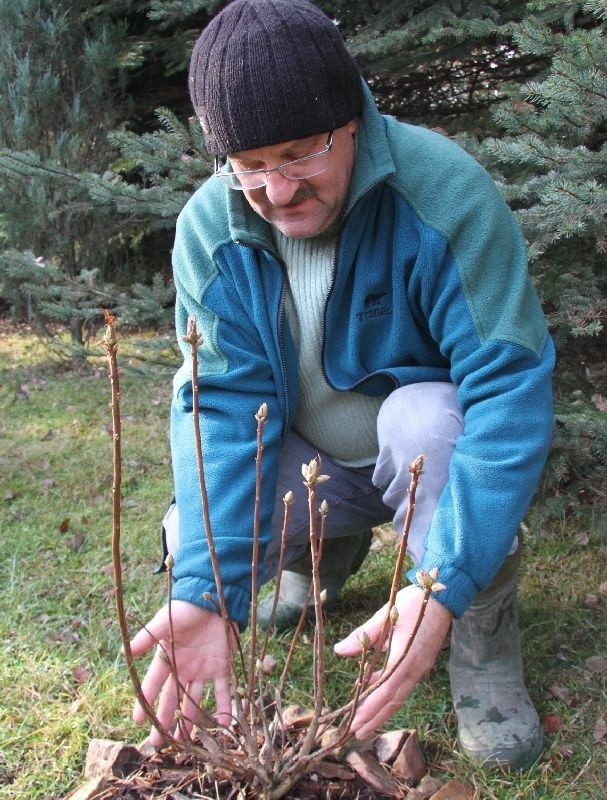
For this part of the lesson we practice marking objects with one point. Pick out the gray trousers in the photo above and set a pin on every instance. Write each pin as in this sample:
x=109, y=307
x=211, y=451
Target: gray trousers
x=420, y=418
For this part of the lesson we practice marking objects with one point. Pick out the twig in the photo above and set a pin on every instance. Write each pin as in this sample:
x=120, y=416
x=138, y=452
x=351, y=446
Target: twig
x=416, y=469
x=260, y=416
x=194, y=340
x=110, y=345
x=287, y=502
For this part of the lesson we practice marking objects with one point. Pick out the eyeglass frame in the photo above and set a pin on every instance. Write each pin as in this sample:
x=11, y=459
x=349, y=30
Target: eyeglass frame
x=228, y=177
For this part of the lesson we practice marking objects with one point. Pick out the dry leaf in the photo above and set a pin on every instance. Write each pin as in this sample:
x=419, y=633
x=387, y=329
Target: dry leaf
x=297, y=716
x=81, y=674
x=373, y=773
x=76, y=541
x=582, y=539
x=454, y=790
x=561, y=693
x=64, y=526
x=551, y=723
x=268, y=665
x=600, y=731
x=564, y=750
x=597, y=663
x=599, y=401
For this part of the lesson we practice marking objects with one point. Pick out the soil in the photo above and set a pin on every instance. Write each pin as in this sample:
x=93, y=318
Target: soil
x=173, y=776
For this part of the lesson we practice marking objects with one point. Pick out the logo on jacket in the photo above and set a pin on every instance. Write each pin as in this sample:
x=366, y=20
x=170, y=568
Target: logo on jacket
x=374, y=306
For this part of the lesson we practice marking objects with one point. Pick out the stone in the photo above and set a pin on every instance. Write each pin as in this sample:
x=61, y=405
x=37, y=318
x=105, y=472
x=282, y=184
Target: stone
x=106, y=757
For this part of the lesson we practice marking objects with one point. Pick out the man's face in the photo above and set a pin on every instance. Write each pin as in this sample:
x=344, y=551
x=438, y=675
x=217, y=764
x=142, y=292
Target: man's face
x=302, y=208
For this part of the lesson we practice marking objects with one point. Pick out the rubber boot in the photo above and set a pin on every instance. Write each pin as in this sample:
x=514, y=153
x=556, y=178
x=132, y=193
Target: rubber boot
x=341, y=558
x=497, y=723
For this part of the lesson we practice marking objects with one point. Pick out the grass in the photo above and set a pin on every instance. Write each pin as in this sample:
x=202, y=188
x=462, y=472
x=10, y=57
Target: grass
x=62, y=680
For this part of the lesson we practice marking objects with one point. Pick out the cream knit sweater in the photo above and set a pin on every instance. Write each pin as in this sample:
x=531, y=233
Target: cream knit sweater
x=341, y=424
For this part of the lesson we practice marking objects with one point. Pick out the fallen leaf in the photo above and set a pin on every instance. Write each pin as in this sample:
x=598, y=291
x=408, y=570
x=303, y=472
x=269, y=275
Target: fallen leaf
x=603, y=587
x=297, y=717
x=327, y=769
x=65, y=525
x=597, y=663
x=81, y=674
x=582, y=539
x=426, y=788
x=454, y=790
x=561, y=693
x=599, y=401
x=600, y=731
x=373, y=773
x=92, y=789
x=564, y=750
x=77, y=705
x=268, y=665
x=410, y=763
x=551, y=723
x=76, y=541
x=389, y=744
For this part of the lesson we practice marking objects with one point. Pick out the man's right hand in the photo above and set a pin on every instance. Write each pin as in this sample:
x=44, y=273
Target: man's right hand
x=202, y=653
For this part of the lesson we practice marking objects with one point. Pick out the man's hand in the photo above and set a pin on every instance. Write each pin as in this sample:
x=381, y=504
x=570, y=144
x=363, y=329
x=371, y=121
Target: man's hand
x=390, y=696
x=202, y=653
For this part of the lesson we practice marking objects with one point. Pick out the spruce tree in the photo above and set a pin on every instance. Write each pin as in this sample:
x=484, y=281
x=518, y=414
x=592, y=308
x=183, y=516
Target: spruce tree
x=60, y=94
x=551, y=163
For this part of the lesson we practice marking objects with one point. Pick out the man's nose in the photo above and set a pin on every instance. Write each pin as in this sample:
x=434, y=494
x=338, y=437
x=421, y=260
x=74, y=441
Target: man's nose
x=279, y=190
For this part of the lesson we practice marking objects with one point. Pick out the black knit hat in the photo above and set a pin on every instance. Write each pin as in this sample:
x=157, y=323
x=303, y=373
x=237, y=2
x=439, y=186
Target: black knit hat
x=268, y=71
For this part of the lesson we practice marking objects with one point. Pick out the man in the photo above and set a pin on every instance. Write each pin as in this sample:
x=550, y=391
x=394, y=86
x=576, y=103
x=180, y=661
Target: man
x=363, y=278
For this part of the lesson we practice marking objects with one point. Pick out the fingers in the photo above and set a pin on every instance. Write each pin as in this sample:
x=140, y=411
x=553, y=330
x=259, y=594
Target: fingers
x=381, y=704
x=352, y=644
x=168, y=704
x=152, y=684
x=190, y=709
x=223, y=700
x=156, y=629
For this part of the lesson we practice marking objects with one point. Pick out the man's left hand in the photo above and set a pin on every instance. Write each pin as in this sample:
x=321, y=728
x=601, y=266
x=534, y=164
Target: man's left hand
x=390, y=696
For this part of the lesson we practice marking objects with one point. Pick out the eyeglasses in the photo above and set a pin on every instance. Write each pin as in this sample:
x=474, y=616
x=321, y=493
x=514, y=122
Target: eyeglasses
x=297, y=170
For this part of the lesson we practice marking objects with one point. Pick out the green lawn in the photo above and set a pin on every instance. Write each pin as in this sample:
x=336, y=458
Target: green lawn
x=62, y=680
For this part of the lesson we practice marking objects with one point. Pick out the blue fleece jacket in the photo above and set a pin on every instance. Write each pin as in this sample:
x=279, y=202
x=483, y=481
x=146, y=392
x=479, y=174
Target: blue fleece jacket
x=430, y=283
